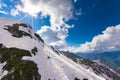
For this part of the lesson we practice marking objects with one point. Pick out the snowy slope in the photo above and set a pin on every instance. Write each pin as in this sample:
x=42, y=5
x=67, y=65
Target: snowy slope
x=95, y=66
x=51, y=65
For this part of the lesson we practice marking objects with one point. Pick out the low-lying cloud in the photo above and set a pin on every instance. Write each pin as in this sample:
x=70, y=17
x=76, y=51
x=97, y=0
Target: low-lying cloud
x=108, y=41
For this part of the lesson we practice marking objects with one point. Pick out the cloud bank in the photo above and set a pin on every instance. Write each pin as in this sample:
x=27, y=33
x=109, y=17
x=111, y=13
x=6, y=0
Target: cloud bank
x=55, y=37
x=108, y=41
x=59, y=12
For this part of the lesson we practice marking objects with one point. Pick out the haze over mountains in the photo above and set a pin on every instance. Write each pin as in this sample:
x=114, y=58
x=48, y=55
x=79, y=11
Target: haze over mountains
x=111, y=59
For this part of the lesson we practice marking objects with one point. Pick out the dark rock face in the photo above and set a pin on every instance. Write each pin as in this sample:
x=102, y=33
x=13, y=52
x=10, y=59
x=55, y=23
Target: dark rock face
x=98, y=69
x=17, y=68
x=14, y=30
x=76, y=79
x=54, y=50
x=34, y=50
x=79, y=79
x=38, y=37
x=1, y=45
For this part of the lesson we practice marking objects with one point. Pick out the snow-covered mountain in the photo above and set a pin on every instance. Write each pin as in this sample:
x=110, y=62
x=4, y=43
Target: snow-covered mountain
x=96, y=66
x=25, y=56
x=111, y=59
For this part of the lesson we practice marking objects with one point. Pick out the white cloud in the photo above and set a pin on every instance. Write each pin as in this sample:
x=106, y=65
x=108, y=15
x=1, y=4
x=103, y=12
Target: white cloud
x=55, y=37
x=58, y=10
x=109, y=40
x=14, y=12
x=3, y=12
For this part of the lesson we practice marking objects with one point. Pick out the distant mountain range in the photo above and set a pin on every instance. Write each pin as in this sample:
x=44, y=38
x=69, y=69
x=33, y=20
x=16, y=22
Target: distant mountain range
x=111, y=59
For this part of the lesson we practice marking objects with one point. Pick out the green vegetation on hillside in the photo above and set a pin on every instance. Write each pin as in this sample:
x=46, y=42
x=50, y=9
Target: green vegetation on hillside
x=17, y=68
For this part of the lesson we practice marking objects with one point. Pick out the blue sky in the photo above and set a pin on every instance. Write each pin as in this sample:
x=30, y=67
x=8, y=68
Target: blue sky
x=75, y=22
x=96, y=17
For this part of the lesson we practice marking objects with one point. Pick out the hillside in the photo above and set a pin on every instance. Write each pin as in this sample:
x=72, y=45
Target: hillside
x=25, y=56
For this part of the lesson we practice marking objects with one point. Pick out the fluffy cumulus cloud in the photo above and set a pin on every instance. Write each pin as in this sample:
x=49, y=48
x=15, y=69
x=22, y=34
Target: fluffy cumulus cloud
x=55, y=37
x=59, y=12
x=14, y=12
x=109, y=40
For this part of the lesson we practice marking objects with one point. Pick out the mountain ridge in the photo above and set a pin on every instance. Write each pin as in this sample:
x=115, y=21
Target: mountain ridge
x=109, y=58
x=25, y=56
